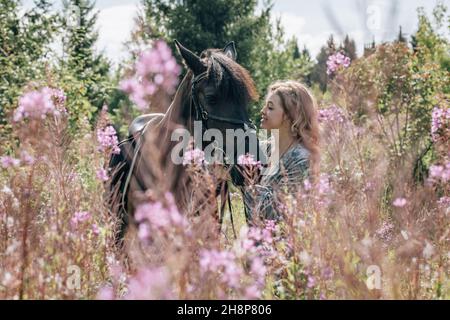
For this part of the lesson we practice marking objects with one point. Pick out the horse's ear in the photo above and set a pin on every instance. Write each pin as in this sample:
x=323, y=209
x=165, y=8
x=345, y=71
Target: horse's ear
x=192, y=61
x=230, y=50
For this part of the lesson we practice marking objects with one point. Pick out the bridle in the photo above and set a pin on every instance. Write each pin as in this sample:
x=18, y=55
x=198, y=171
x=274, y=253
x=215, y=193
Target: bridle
x=201, y=114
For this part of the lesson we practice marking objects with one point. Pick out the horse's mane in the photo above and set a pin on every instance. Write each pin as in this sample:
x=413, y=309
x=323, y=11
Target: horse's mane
x=179, y=108
x=232, y=80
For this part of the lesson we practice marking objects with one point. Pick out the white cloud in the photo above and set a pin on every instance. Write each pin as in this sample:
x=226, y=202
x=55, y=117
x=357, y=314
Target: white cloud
x=292, y=24
x=115, y=25
x=297, y=25
x=313, y=42
x=359, y=37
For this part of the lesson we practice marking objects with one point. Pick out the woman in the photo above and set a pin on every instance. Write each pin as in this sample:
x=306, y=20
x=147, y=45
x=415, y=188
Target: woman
x=291, y=109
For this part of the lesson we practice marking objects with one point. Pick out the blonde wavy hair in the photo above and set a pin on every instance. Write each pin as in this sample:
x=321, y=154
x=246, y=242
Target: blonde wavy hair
x=299, y=105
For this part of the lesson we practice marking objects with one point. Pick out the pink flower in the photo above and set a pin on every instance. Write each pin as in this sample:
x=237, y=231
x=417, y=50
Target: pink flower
x=252, y=292
x=194, y=157
x=369, y=187
x=106, y=293
x=72, y=176
x=385, y=232
x=129, y=85
x=214, y=259
x=102, y=175
x=95, y=229
x=144, y=232
x=444, y=202
x=261, y=235
x=324, y=186
x=156, y=216
x=79, y=217
x=37, y=104
x=327, y=273
x=440, y=172
x=258, y=269
x=311, y=282
x=59, y=97
x=150, y=284
x=440, y=122
x=224, y=262
x=436, y=171
x=232, y=274
x=331, y=114
x=257, y=242
x=248, y=160
x=8, y=161
x=155, y=69
x=336, y=61
x=399, y=202
x=270, y=225
x=107, y=140
x=26, y=158
x=307, y=185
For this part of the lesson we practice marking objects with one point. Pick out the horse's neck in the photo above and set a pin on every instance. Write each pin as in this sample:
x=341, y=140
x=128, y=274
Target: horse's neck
x=176, y=114
x=157, y=137
x=174, y=118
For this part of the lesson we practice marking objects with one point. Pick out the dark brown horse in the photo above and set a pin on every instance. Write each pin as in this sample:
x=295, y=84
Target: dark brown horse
x=216, y=91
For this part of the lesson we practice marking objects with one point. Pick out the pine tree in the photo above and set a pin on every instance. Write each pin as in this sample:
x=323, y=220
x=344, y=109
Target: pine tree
x=319, y=71
x=414, y=42
x=429, y=39
x=80, y=57
x=401, y=37
x=202, y=24
x=369, y=48
x=331, y=45
x=349, y=48
x=24, y=42
x=306, y=54
x=296, y=51
x=306, y=59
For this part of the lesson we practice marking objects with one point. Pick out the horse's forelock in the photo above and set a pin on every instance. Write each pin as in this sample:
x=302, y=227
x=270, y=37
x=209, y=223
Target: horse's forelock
x=240, y=86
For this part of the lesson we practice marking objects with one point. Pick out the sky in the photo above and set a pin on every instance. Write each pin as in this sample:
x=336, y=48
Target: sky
x=310, y=21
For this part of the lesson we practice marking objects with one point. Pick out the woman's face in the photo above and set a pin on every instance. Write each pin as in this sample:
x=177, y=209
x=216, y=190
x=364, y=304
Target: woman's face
x=272, y=115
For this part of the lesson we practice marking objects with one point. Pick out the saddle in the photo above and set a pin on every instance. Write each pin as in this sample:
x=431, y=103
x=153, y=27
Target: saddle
x=138, y=124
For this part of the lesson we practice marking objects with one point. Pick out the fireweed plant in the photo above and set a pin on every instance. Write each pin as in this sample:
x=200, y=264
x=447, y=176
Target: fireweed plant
x=365, y=229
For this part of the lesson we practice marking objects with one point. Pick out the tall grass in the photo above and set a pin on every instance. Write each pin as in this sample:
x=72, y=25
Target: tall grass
x=367, y=230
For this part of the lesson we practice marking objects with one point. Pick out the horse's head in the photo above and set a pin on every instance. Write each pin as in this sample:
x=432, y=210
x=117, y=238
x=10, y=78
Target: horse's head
x=220, y=92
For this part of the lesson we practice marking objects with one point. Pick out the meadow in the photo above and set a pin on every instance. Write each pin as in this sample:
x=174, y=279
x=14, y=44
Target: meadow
x=374, y=226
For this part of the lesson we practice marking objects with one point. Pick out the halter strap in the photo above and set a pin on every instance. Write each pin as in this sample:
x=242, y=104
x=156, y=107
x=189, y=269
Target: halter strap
x=201, y=114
